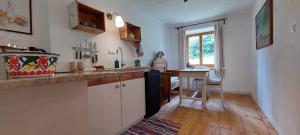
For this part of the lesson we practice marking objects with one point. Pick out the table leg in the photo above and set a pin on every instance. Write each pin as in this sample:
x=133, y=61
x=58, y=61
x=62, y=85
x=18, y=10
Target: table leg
x=180, y=90
x=204, y=90
x=188, y=83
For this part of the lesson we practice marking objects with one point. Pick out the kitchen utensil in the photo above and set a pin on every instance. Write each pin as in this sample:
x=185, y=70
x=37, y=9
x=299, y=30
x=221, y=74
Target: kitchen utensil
x=76, y=53
x=92, y=52
x=91, y=46
x=93, y=59
x=96, y=55
x=85, y=55
x=80, y=51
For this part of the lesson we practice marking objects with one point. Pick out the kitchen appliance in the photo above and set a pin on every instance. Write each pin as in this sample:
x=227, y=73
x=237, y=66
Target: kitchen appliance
x=153, y=92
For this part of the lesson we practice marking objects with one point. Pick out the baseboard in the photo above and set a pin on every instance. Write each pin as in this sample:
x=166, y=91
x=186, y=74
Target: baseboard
x=238, y=93
x=248, y=93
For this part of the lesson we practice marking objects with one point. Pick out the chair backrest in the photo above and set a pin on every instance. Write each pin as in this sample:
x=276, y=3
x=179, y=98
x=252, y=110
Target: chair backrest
x=218, y=73
x=222, y=73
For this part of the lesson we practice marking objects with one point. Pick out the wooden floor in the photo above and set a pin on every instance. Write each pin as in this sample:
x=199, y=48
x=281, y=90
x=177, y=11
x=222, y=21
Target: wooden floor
x=239, y=116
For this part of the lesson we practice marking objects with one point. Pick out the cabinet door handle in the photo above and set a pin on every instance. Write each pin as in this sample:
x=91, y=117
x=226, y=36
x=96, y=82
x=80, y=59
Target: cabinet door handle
x=117, y=86
x=124, y=85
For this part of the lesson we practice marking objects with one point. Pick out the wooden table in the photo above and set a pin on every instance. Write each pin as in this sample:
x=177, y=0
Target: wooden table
x=201, y=73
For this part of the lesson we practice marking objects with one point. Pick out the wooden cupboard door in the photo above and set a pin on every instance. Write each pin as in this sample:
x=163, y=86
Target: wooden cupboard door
x=105, y=109
x=133, y=101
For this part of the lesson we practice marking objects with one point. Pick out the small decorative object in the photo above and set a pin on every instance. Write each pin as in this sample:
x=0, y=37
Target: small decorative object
x=83, y=22
x=137, y=63
x=29, y=64
x=99, y=68
x=72, y=66
x=139, y=52
x=131, y=35
x=264, y=25
x=16, y=16
x=189, y=65
x=80, y=66
x=160, y=62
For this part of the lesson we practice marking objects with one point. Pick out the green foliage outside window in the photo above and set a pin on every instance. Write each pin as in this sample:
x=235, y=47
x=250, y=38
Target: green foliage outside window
x=194, y=47
x=208, y=47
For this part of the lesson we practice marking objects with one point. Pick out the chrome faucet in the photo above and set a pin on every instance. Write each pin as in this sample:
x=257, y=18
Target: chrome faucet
x=119, y=49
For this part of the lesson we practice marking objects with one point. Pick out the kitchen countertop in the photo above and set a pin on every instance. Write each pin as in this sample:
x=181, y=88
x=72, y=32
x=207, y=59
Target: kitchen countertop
x=65, y=78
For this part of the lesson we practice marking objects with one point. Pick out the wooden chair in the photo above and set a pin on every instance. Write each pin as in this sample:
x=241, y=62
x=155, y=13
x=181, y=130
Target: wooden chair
x=215, y=79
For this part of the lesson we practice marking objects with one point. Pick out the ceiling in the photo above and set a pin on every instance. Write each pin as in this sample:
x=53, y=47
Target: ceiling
x=176, y=11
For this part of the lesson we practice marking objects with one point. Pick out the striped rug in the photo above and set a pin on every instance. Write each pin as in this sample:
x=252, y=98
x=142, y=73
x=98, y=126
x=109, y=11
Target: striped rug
x=154, y=126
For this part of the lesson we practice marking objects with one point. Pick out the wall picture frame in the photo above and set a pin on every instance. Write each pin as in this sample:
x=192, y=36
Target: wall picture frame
x=264, y=25
x=16, y=16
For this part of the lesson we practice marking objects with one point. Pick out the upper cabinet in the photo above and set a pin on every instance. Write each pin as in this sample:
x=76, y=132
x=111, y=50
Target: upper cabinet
x=85, y=18
x=131, y=33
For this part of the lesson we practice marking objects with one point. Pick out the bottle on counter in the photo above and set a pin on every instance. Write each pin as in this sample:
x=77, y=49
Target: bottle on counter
x=117, y=63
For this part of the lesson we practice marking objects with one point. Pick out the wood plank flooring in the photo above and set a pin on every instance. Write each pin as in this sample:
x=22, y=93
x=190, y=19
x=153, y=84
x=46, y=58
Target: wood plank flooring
x=238, y=116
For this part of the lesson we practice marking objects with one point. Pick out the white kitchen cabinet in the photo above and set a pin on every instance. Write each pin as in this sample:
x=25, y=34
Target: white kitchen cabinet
x=114, y=107
x=133, y=101
x=105, y=109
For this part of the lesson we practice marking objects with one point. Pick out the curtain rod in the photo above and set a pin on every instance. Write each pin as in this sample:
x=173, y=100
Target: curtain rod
x=217, y=20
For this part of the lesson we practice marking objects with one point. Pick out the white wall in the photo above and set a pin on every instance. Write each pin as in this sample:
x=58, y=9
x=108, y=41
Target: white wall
x=62, y=38
x=51, y=31
x=40, y=37
x=277, y=67
x=237, y=51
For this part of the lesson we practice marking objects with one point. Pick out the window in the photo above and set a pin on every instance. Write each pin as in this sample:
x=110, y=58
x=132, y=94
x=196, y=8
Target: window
x=200, y=49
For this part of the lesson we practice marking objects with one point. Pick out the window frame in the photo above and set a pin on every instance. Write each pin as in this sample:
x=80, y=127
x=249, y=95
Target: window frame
x=187, y=50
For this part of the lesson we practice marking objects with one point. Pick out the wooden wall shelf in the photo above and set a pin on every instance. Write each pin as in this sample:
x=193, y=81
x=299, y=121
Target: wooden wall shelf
x=85, y=18
x=130, y=33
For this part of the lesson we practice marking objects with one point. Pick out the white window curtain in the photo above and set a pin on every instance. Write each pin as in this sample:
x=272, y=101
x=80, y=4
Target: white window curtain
x=181, y=48
x=219, y=47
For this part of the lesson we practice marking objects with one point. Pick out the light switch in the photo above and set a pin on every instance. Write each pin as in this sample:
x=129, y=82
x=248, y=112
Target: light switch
x=294, y=29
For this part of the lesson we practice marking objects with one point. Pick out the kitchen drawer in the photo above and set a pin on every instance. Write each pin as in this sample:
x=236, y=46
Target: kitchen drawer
x=104, y=80
x=130, y=76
